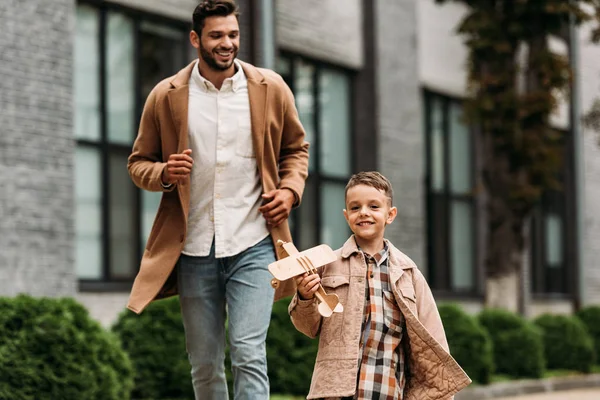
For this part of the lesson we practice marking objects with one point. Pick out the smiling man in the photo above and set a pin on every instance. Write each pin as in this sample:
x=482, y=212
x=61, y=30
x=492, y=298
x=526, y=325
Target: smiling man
x=222, y=140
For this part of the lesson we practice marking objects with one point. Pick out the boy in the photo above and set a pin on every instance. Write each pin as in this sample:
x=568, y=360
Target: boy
x=389, y=342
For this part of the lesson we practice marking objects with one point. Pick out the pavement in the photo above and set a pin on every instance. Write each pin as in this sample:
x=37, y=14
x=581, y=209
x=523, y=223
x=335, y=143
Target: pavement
x=579, y=394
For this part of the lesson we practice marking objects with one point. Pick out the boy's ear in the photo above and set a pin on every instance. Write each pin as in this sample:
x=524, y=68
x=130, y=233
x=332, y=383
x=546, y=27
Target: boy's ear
x=346, y=215
x=391, y=215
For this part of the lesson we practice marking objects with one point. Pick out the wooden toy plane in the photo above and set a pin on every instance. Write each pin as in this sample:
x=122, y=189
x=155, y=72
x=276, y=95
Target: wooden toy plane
x=298, y=263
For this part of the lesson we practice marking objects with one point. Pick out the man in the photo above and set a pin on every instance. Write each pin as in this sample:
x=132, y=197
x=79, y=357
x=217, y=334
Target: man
x=222, y=140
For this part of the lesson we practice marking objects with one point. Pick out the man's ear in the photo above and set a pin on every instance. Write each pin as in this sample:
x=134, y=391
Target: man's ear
x=391, y=215
x=194, y=39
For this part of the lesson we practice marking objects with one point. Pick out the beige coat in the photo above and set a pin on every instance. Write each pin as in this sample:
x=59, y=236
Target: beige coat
x=431, y=371
x=281, y=156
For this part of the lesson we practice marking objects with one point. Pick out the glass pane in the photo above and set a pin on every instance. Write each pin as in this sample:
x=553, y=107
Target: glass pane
x=460, y=151
x=120, y=85
x=305, y=102
x=554, y=240
x=437, y=143
x=86, y=74
x=88, y=214
x=162, y=53
x=334, y=119
x=150, y=202
x=307, y=218
x=284, y=66
x=122, y=221
x=462, y=245
x=334, y=228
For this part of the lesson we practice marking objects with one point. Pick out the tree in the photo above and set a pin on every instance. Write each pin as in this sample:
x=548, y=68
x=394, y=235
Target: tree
x=515, y=81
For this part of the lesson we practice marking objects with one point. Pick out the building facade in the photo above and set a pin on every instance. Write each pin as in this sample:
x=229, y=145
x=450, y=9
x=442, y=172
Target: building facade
x=378, y=85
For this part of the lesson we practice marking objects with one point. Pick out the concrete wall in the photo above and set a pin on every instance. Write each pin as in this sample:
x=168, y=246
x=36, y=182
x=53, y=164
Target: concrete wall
x=36, y=148
x=589, y=161
x=322, y=29
x=399, y=119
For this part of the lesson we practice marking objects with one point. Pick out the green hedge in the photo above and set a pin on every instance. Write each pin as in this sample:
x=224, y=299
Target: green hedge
x=155, y=342
x=567, y=343
x=51, y=349
x=290, y=354
x=590, y=316
x=518, y=344
x=469, y=343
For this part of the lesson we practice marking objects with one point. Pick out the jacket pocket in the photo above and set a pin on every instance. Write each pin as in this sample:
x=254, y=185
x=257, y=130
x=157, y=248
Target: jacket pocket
x=409, y=297
x=331, y=329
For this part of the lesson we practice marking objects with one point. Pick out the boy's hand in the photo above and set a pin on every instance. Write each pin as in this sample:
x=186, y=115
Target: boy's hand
x=308, y=285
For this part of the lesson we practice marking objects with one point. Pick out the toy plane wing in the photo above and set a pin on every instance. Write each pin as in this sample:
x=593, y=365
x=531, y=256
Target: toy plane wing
x=291, y=266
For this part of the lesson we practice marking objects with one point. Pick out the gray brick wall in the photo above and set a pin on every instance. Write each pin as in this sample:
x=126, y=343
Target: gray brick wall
x=36, y=148
x=401, y=144
x=322, y=29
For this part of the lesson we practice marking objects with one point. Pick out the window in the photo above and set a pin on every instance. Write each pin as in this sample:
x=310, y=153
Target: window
x=119, y=56
x=323, y=100
x=552, y=234
x=451, y=225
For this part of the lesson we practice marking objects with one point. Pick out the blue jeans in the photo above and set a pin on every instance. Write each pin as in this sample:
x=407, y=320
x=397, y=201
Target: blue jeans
x=240, y=284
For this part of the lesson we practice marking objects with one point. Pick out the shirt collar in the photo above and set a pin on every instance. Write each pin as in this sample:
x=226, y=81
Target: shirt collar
x=237, y=81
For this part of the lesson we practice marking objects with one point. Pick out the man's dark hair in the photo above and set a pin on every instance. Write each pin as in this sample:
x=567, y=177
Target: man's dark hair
x=213, y=8
x=373, y=179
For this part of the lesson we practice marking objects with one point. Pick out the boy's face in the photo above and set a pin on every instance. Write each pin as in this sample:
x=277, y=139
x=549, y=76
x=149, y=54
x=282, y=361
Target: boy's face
x=368, y=211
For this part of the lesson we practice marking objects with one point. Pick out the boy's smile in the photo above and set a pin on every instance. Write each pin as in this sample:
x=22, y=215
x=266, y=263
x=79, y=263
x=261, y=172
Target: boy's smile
x=368, y=211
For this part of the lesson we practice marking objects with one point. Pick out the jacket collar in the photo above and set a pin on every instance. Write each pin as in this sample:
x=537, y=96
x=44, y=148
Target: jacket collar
x=397, y=258
x=182, y=78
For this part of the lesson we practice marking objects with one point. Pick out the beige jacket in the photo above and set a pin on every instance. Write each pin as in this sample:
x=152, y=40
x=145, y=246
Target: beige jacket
x=431, y=372
x=281, y=156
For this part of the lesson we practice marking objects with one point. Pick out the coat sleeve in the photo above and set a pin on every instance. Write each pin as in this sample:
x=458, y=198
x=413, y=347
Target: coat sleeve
x=145, y=164
x=427, y=309
x=293, y=156
x=305, y=316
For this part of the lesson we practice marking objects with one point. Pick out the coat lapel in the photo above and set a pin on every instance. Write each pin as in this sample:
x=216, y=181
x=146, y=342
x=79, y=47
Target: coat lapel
x=178, y=103
x=258, y=91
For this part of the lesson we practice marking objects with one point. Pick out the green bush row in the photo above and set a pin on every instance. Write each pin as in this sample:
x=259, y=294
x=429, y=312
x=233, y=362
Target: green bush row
x=498, y=341
x=51, y=349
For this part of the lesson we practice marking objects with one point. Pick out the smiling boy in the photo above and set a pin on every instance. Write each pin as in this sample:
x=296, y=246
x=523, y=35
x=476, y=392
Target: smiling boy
x=389, y=343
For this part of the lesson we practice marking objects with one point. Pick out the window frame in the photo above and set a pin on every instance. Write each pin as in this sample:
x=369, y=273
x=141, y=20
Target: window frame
x=316, y=178
x=440, y=275
x=107, y=148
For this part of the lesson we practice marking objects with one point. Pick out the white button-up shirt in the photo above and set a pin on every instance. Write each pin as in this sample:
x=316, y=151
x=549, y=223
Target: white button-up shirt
x=225, y=185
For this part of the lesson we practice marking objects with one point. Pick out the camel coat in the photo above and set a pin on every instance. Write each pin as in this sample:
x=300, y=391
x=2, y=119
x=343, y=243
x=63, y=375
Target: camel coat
x=431, y=372
x=281, y=156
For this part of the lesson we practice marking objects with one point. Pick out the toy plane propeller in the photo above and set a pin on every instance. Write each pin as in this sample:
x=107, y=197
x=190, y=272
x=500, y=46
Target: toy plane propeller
x=298, y=263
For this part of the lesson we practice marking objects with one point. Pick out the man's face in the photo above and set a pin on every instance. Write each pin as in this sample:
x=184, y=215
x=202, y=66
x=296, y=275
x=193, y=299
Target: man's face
x=368, y=211
x=219, y=42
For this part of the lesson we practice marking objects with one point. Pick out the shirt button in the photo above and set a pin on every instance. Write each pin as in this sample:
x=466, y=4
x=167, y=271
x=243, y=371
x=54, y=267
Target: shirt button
x=217, y=196
x=372, y=275
x=360, y=280
x=212, y=219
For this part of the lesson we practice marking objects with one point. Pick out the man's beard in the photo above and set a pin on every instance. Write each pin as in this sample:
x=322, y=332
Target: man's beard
x=212, y=63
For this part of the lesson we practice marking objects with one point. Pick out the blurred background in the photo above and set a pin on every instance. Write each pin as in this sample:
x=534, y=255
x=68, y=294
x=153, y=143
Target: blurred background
x=378, y=84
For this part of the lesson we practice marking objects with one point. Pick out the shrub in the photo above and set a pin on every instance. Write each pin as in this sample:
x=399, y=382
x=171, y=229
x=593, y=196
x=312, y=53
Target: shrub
x=290, y=354
x=568, y=344
x=155, y=342
x=52, y=349
x=469, y=343
x=517, y=343
x=590, y=316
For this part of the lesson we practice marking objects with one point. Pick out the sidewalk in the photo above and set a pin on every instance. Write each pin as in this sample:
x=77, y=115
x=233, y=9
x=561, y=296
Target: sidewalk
x=583, y=394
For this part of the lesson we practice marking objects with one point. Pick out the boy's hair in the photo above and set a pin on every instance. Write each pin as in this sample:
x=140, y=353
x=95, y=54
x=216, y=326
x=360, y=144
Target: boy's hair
x=373, y=179
x=212, y=8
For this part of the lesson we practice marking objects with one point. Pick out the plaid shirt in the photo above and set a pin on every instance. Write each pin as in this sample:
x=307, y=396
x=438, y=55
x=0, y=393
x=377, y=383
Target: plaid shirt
x=381, y=369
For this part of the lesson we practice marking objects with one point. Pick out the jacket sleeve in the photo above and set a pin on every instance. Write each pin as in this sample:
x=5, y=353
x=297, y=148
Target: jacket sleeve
x=145, y=164
x=427, y=309
x=305, y=316
x=293, y=156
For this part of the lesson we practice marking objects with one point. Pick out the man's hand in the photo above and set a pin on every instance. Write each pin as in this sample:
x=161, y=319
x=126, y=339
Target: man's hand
x=278, y=205
x=307, y=285
x=178, y=167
